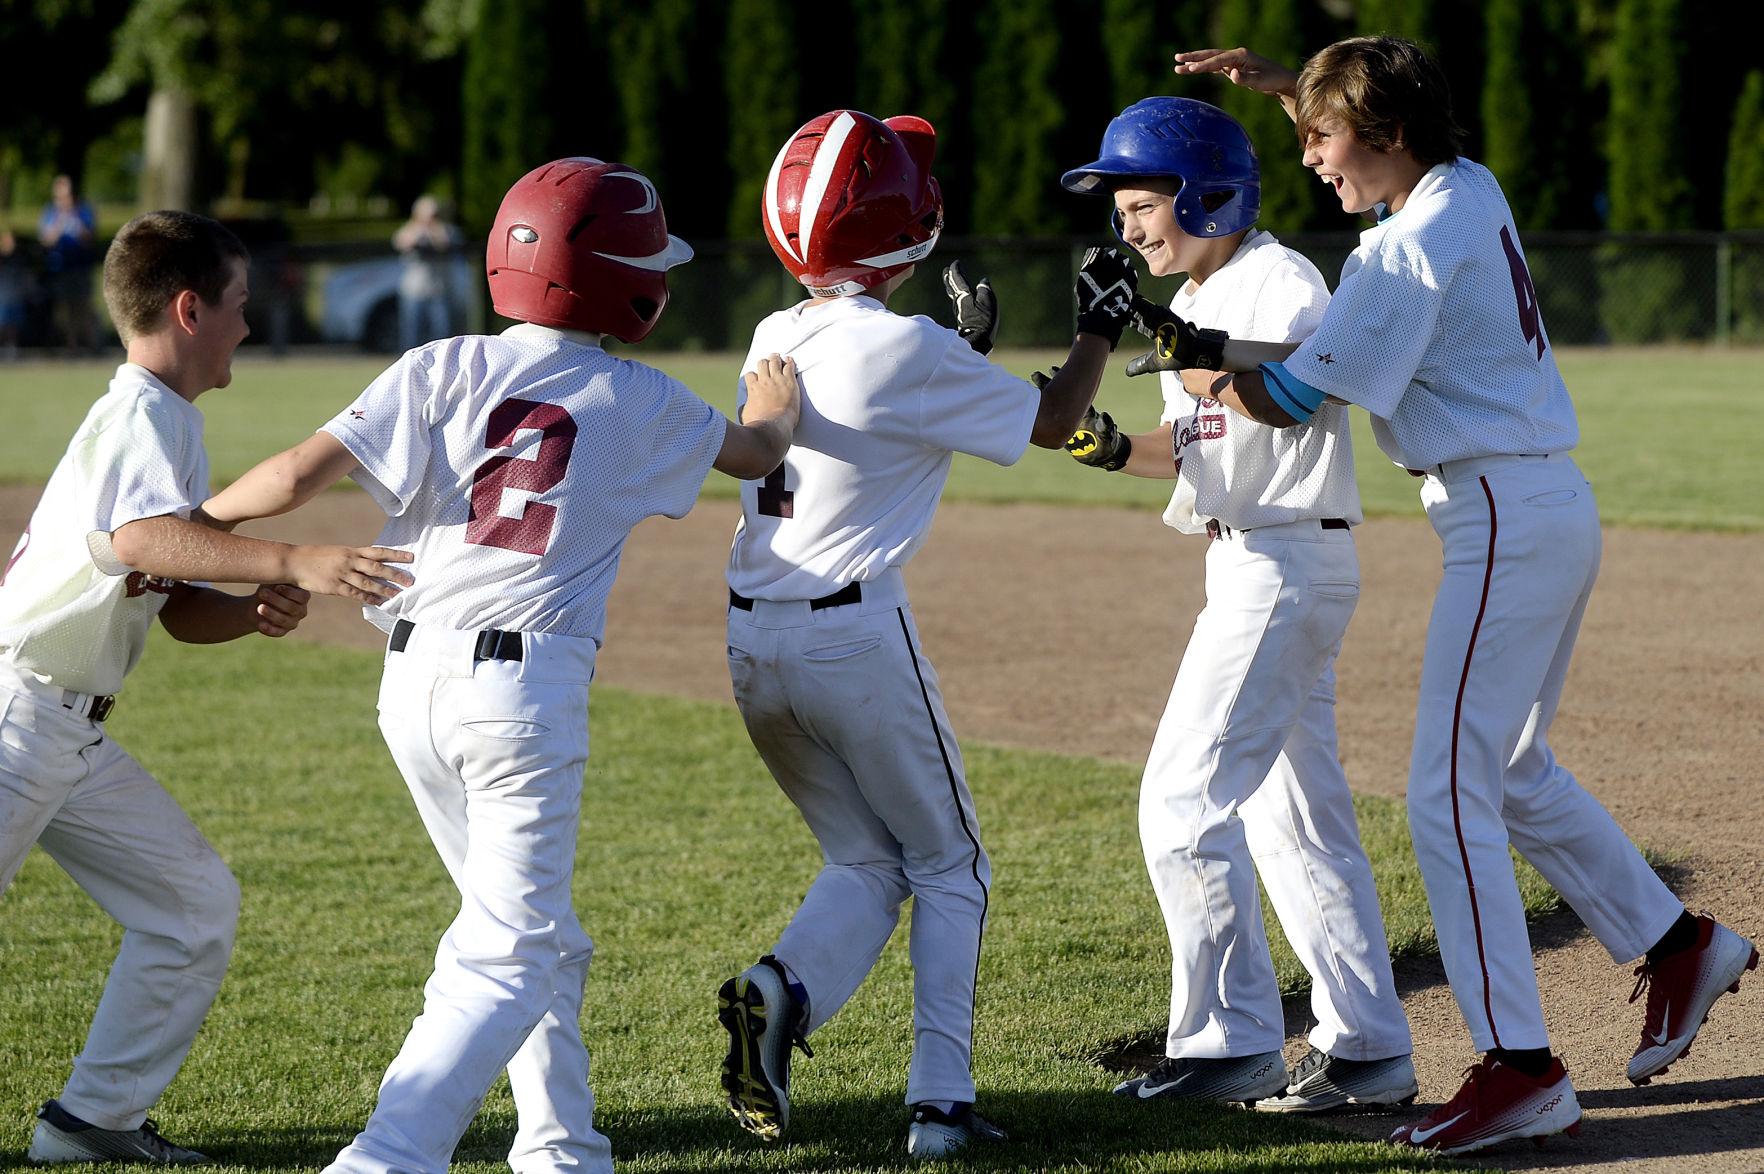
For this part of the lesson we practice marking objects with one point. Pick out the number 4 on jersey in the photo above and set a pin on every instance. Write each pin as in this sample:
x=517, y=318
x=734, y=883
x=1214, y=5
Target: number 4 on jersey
x=1529, y=320
x=775, y=501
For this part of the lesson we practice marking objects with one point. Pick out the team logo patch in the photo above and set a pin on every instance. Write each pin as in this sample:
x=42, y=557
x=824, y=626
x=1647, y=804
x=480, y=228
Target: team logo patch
x=357, y=415
x=1326, y=358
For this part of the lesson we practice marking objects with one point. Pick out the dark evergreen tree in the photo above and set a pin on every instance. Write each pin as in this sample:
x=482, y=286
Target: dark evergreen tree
x=507, y=124
x=1536, y=133
x=1017, y=113
x=762, y=80
x=1743, y=200
x=1649, y=187
x=1275, y=29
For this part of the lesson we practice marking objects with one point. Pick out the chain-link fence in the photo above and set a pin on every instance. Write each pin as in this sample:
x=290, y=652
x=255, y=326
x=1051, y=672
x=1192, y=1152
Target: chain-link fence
x=1593, y=289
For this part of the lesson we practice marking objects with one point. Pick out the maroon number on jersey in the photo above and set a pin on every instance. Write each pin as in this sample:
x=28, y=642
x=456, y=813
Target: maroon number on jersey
x=1529, y=320
x=775, y=501
x=531, y=532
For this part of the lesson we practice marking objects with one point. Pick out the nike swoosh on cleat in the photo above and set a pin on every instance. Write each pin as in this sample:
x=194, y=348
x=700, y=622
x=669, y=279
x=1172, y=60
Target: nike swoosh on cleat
x=1423, y=1136
x=1147, y=1090
x=1659, y=1038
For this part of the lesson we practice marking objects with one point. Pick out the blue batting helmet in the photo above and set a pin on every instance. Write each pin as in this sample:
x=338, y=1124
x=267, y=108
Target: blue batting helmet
x=1179, y=138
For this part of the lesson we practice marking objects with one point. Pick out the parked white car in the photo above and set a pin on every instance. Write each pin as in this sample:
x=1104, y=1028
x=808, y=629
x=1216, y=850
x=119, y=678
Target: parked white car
x=360, y=306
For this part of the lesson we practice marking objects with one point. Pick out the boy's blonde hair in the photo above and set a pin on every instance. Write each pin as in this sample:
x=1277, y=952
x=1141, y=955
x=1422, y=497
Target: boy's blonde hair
x=1387, y=91
x=158, y=255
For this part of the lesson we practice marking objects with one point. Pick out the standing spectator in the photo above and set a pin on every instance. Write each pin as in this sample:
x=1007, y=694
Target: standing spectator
x=68, y=230
x=14, y=288
x=426, y=242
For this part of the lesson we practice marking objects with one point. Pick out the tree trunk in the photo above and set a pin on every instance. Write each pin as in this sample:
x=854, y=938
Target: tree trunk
x=168, y=164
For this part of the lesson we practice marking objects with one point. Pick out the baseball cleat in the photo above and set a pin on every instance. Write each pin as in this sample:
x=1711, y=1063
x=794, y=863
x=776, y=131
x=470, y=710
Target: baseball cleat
x=763, y=1022
x=62, y=1137
x=1497, y=1103
x=1321, y=1082
x=1245, y=1079
x=1681, y=988
x=936, y=1134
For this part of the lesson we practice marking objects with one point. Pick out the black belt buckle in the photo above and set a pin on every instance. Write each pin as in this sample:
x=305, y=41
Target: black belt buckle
x=101, y=707
x=495, y=644
x=1335, y=524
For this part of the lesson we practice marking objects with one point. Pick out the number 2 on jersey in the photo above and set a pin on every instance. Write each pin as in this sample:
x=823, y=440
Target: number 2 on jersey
x=775, y=501
x=531, y=532
x=1529, y=320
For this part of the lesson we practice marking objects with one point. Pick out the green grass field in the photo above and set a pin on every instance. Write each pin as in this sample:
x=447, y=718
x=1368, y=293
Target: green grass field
x=690, y=864
x=1668, y=437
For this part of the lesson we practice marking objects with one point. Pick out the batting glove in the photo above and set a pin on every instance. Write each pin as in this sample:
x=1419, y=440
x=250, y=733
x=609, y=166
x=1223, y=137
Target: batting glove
x=1105, y=289
x=1098, y=443
x=976, y=307
x=1176, y=343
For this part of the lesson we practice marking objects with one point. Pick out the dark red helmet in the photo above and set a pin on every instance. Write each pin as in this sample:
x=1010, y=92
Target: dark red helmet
x=583, y=245
x=851, y=201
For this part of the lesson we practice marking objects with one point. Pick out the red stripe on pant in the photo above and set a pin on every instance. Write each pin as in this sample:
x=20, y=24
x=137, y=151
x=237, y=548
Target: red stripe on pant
x=1457, y=723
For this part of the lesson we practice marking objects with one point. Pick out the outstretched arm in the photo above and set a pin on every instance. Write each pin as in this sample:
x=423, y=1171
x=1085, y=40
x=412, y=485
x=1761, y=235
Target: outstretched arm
x=288, y=479
x=755, y=446
x=170, y=547
x=1249, y=70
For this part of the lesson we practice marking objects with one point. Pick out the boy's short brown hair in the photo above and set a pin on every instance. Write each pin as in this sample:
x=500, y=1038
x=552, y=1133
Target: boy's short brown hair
x=1387, y=91
x=156, y=256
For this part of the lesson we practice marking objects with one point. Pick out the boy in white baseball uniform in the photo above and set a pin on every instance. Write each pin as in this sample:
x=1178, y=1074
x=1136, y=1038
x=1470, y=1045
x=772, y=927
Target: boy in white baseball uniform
x=514, y=467
x=823, y=652
x=1244, y=767
x=110, y=546
x=1435, y=331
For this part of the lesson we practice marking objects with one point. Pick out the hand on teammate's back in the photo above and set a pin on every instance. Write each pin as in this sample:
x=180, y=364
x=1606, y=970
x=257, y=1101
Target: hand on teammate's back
x=1105, y=290
x=773, y=392
x=362, y=573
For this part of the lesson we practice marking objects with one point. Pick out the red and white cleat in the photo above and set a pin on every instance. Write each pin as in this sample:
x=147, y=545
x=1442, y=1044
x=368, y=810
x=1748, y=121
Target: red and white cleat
x=1681, y=989
x=1495, y=1104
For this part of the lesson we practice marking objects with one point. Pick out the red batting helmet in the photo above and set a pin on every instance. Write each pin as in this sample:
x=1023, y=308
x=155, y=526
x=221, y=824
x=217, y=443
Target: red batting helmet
x=850, y=201
x=583, y=245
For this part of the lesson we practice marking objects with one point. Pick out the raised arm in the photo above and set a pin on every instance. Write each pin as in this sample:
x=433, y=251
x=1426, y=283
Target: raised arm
x=756, y=444
x=1249, y=70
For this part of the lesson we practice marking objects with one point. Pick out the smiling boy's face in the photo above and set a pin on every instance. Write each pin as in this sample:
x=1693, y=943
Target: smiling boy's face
x=1147, y=218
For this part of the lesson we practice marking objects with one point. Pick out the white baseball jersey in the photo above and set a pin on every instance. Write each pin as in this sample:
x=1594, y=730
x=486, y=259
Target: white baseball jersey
x=138, y=455
x=514, y=467
x=859, y=487
x=1435, y=331
x=1229, y=467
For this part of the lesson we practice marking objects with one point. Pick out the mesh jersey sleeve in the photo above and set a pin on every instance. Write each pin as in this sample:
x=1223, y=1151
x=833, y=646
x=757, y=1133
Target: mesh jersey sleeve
x=973, y=406
x=139, y=464
x=1371, y=340
x=686, y=435
x=389, y=430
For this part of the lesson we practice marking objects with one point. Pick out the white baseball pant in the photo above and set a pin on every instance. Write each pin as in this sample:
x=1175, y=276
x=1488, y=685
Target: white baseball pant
x=1244, y=776
x=846, y=712
x=66, y=785
x=1521, y=546
x=494, y=753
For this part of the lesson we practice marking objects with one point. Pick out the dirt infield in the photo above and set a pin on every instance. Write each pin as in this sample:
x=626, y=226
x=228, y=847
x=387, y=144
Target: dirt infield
x=1663, y=720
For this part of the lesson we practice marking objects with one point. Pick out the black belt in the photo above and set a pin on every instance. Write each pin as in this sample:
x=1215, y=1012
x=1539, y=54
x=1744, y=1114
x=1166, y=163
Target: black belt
x=1215, y=527
x=850, y=593
x=493, y=643
x=96, y=708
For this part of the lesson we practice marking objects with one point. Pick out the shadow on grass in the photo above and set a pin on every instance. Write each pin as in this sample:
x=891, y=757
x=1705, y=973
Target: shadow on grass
x=1081, y=1129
